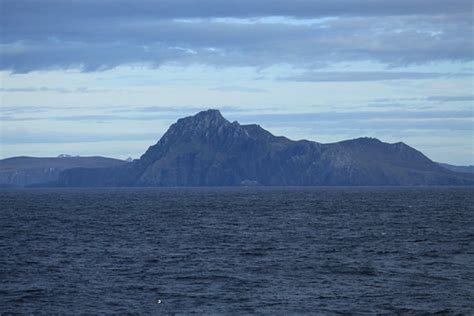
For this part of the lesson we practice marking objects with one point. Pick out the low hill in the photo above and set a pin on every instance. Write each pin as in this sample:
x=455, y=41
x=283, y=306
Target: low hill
x=24, y=171
x=462, y=169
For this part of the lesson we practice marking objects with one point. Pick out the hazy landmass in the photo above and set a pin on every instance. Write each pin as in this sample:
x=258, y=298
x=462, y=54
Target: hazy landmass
x=462, y=169
x=25, y=171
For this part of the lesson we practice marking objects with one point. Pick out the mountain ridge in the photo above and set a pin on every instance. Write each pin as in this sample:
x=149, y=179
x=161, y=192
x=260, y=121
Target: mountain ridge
x=208, y=150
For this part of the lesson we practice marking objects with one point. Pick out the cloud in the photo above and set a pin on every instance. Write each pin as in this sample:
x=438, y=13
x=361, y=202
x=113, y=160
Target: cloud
x=391, y=102
x=451, y=98
x=239, y=89
x=167, y=113
x=362, y=123
x=97, y=35
x=182, y=109
x=58, y=90
x=24, y=109
x=367, y=76
x=148, y=113
x=353, y=123
x=63, y=138
x=354, y=116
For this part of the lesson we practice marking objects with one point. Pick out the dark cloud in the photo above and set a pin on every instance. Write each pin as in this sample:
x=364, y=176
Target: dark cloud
x=97, y=35
x=224, y=44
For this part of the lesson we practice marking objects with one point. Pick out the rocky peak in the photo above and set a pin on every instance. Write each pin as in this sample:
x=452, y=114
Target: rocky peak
x=256, y=131
x=203, y=120
x=205, y=127
x=400, y=146
x=210, y=114
x=203, y=123
x=367, y=140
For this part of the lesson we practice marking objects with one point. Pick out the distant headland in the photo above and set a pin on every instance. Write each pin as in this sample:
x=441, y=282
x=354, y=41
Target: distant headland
x=208, y=150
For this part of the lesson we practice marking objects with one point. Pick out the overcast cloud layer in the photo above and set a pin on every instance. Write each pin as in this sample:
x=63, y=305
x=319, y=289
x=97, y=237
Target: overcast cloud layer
x=82, y=9
x=97, y=35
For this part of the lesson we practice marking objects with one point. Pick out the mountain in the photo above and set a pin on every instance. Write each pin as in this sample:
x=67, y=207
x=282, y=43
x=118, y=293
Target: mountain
x=208, y=150
x=463, y=169
x=25, y=171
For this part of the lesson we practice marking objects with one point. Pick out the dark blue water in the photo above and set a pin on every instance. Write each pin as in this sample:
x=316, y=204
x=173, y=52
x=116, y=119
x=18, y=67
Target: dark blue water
x=283, y=251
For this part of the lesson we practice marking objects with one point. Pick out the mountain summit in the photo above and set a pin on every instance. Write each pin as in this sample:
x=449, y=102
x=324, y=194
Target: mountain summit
x=207, y=150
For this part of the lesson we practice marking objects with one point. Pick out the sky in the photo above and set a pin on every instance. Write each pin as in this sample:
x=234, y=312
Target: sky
x=108, y=77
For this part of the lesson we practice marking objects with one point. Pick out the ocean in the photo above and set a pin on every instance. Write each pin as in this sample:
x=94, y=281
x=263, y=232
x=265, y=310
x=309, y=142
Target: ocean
x=237, y=251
